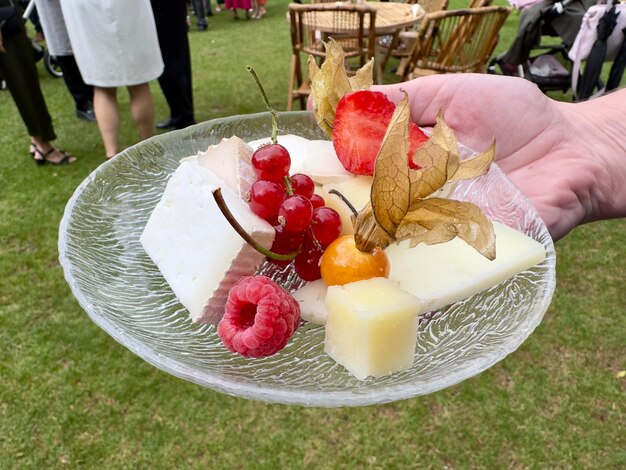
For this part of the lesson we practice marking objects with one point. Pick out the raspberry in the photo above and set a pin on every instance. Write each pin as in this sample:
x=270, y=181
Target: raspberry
x=259, y=319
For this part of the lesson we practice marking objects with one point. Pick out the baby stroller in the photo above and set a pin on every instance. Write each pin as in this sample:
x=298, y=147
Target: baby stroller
x=551, y=66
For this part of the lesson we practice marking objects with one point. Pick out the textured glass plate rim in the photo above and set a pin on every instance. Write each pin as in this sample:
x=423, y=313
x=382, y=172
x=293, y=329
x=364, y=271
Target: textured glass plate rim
x=276, y=394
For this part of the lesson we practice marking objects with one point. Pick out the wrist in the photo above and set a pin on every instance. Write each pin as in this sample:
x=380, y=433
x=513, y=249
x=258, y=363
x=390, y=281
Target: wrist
x=599, y=133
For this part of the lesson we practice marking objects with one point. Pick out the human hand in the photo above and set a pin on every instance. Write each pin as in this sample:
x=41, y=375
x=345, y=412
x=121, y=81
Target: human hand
x=566, y=158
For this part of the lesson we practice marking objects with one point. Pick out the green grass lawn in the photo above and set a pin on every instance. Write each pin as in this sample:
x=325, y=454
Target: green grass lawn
x=71, y=397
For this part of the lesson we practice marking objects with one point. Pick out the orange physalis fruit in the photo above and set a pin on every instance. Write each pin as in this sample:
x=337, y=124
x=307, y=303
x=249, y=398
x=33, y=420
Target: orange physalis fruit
x=342, y=262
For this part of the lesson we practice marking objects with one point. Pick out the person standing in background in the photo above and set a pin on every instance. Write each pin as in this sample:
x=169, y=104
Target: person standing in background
x=201, y=12
x=260, y=10
x=115, y=44
x=58, y=42
x=245, y=5
x=18, y=69
x=170, y=18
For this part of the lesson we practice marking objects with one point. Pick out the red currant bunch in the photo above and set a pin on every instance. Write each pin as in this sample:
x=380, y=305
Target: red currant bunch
x=302, y=222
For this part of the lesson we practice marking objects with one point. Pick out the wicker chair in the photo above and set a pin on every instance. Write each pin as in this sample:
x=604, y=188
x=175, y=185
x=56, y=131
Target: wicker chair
x=456, y=41
x=351, y=25
x=400, y=44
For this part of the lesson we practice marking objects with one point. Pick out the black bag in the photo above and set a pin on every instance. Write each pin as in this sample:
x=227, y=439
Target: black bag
x=10, y=21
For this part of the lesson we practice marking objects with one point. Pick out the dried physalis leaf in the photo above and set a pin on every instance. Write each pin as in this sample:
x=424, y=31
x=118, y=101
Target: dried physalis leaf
x=438, y=220
x=433, y=174
x=367, y=233
x=330, y=82
x=390, y=193
x=399, y=208
x=476, y=165
x=440, y=150
x=364, y=77
x=443, y=144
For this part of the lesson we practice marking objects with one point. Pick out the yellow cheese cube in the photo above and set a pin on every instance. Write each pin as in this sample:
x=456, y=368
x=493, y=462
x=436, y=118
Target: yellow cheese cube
x=371, y=327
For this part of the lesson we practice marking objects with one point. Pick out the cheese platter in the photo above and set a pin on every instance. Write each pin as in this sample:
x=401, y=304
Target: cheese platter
x=465, y=325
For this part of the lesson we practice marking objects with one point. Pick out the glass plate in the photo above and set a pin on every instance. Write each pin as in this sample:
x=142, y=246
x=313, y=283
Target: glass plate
x=124, y=293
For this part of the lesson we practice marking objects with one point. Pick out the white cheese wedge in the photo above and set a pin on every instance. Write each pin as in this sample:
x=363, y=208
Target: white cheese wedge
x=230, y=161
x=356, y=190
x=312, y=300
x=440, y=275
x=371, y=327
x=315, y=158
x=199, y=254
x=448, y=272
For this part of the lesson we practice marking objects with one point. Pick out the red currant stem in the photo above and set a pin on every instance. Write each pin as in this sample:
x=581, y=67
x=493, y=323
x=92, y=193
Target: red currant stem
x=345, y=200
x=221, y=203
x=289, y=190
x=272, y=111
x=317, y=244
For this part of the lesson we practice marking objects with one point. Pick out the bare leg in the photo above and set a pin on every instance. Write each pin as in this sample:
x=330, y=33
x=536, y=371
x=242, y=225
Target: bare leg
x=142, y=109
x=108, y=116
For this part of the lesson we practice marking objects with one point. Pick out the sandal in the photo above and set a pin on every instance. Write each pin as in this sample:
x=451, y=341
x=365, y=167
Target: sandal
x=40, y=157
x=37, y=156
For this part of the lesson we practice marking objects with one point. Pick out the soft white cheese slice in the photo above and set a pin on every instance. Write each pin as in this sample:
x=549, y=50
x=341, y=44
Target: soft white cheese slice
x=312, y=300
x=448, y=272
x=230, y=161
x=315, y=158
x=322, y=164
x=199, y=254
x=442, y=274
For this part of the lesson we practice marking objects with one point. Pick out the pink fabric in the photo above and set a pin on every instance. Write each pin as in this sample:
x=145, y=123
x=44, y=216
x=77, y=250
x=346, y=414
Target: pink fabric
x=587, y=36
x=589, y=32
x=240, y=4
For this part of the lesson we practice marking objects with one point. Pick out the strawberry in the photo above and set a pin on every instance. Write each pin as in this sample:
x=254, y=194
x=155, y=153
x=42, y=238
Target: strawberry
x=361, y=120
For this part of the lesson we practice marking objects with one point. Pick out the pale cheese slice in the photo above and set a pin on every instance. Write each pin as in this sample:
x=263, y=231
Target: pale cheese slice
x=442, y=274
x=356, y=190
x=230, y=161
x=199, y=254
x=312, y=300
x=448, y=272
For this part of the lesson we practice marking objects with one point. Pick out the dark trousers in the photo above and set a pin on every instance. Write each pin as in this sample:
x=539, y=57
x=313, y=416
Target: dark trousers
x=171, y=24
x=18, y=69
x=200, y=10
x=80, y=91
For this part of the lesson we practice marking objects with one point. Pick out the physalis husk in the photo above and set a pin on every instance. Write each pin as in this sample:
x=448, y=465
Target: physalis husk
x=400, y=208
x=331, y=82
